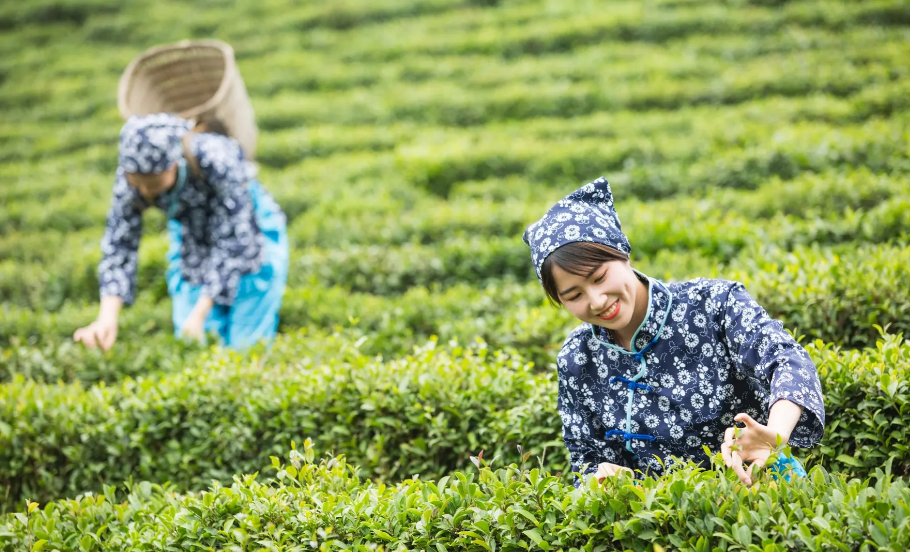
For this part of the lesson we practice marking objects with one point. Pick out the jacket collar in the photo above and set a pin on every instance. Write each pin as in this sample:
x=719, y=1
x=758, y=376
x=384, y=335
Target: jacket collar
x=658, y=302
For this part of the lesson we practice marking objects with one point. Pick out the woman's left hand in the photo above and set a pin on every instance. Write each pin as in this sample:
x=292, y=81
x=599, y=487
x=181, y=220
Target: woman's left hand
x=194, y=328
x=753, y=444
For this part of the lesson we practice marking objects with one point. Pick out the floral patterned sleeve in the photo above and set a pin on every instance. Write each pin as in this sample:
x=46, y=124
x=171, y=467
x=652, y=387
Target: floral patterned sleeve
x=585, y=443
x=120, y=244
x=236, y=241
x=762, y=348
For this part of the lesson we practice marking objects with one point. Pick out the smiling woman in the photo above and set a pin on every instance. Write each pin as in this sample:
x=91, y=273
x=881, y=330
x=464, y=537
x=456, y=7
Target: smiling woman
x=659, y=370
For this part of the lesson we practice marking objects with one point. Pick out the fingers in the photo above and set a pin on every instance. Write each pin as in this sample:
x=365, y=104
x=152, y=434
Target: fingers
x=606, y=469
x=732, y=458
x=194, y=330
x=759, y=463
x=96, y=335
x=87, y=336
x=107, y=338
x=746, y=419
x=726, y=447
x=739, y=469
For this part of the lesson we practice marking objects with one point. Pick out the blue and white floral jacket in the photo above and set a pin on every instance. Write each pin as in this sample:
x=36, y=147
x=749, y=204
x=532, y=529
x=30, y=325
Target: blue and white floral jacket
x=718, y=354
x=221, y=240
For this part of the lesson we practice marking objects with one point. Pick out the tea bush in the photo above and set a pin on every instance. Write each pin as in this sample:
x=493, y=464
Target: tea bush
x=324, y=504
x=423, y=413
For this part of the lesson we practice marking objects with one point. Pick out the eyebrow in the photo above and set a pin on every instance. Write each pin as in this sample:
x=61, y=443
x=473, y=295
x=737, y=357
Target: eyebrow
x=567, y=290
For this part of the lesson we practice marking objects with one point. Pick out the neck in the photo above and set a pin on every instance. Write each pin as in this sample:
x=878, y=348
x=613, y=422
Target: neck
x=626, y=334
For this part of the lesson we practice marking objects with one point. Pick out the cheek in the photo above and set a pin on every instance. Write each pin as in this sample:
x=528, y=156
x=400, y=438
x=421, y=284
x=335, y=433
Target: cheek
x=577, y=308
x=627, y=287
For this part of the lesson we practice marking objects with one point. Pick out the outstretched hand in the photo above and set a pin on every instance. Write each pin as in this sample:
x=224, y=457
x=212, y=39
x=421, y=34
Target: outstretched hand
x=752, y=443
x=100, y=333
x=606, y=469
x=194, y=328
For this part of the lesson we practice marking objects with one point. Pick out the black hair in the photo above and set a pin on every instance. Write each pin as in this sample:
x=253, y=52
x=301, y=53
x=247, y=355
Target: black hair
x=578, y=258
x=212, y=124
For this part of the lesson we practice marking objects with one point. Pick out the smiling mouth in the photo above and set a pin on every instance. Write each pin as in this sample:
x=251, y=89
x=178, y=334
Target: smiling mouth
x=610, y=312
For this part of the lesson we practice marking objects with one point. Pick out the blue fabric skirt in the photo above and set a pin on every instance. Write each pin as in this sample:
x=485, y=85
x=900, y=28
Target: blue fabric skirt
x=254, y=315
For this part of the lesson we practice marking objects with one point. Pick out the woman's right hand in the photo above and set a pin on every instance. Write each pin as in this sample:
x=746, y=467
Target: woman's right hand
x=103, y=331
x=606, y=469
x=100, y=333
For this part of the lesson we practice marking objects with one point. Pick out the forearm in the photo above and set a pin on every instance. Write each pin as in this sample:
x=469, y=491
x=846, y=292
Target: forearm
x=783, y=418
x=110, y=307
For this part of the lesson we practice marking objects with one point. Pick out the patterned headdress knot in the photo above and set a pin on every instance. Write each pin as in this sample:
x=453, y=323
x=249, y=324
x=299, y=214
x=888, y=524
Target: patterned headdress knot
x=585, y=215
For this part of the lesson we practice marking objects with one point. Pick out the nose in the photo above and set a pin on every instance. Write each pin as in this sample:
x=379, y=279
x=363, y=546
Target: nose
x=598, y=304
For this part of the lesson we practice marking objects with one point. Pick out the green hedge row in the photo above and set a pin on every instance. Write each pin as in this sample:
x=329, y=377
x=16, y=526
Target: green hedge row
x=835, y=295
x=282, y=148
x=652, y=155
x=421, y=414
x=98, y=15
x=829, y=208
x=81, y=94
x=522, y=32
x=374, y=269
x=72, y=274
x=505, y=207
x=617, y=61
x=135, y=355
x=26, y=326
x=446, y=103
x=478, y=261
x=483, y=261
x=324, y=505
x=648, y=172
x=416, y=413
x=729, y=124
x=743, y=156
x=390, y=222
x=832, y=294
x=571, y=29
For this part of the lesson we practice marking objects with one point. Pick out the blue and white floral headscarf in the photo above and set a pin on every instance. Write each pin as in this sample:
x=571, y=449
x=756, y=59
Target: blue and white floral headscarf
x=585, y=215
x=151, y=143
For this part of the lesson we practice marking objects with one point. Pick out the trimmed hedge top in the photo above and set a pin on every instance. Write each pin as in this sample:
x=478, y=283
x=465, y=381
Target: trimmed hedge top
x=324, y=506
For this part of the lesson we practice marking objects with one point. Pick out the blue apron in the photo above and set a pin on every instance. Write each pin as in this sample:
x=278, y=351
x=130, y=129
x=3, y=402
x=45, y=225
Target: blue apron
x=787, y=467
x=254, y=314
